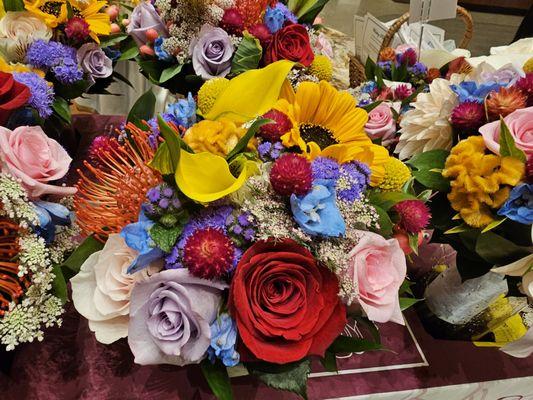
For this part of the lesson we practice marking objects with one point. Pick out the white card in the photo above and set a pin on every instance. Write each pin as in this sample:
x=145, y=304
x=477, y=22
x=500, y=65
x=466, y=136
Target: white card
x=432, y=10
x=359, y=24
x=373, y=34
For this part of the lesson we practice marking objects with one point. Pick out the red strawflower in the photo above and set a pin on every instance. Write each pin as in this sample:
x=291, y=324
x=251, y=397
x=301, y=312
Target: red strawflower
x=401, y=92
x=291, y=174
x=504, y=102
x=468, y=116
x=414, y=215
x=529, y=169
x=100, y=145
x=77, y=29
x=208, y=253
x=275, y=130
x=232, y=22
x=261, y=32
x=525, y=84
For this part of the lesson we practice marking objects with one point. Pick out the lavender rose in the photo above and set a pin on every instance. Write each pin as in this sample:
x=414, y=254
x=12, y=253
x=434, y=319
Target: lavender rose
x=170, y=318
x=94, y=61
x=143, y=18
x=212, y=52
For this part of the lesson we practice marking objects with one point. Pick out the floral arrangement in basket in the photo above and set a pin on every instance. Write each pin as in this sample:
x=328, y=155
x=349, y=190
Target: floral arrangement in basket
x=52, y=52
x=249, y=233
x=36, y=233
x=180, y=44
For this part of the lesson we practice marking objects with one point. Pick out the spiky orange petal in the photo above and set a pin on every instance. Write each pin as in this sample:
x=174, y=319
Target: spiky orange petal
x=11, y=286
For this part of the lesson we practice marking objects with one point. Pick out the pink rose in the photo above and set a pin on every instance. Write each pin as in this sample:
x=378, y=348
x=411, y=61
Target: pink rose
x=520, y=124
x=377, y=267
x=28, y=154
x=381, y=124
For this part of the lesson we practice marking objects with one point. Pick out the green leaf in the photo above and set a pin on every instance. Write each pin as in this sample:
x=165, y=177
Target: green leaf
x=129, y=50
x=165, y=238
x=217, y=377
x=386, y=200
x=432, y=180
x=371, y=106
x=497, y=250
x=59, y=284
x=82, y=252
x=458, y=229
x=170, y=73
x=161, y=161
x=309, y=14
x=345, y=344
x=425, y=195
x=291, y=377
x=507, y=144
x=71, y=91
x=371, y=326
x=62, y=109
x=493, y=225
x=406, y=288
x=406, y=302
x=173, y=141
x=143, y=109
x=370, y=69
x=247, y=56
x=413, y=96
x=151, y=69
x=329, y=362
x=385, y=222
x=413, y=242
x=252, y=131
x=13, y=5
x=429, y=160
x=112, y=39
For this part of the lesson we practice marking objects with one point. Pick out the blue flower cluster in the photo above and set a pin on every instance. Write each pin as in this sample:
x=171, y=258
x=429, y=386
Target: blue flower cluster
x=269, y=151
x=276, y=17
x=519, y=205
x=223, y=340
x=50, y=216
x=41, y=92
x=161, y=54
x=56, y=57
x=163, y=199
x=472, y=92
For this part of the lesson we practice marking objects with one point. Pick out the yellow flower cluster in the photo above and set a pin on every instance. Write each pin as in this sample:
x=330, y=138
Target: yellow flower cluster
x=322, y=68
x=396, y=175
x=480, y=182
x=216, y=137
x=528, y=66
x=209, y=92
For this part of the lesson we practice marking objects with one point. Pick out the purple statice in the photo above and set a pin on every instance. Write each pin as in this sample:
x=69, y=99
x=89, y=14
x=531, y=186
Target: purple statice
x=56, y=57
x=41, y=92
x=325, y=168
x=354, y=179
x=269, y=151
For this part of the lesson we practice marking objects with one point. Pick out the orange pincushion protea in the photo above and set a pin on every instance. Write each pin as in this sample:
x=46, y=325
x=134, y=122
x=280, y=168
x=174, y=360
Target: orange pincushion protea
x=252, y=10
x=110, y=197
x=11, y=286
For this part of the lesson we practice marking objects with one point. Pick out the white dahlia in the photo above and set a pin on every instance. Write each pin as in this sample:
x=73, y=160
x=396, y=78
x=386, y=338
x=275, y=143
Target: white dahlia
x=427, y=126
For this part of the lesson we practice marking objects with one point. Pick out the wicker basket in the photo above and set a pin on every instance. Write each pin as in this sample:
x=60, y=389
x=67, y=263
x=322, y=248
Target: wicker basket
x=357, y=68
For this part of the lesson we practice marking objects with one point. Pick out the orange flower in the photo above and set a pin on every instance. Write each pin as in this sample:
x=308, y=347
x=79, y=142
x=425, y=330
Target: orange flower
x=387, y=54
x=110, y=197
x=504, y=102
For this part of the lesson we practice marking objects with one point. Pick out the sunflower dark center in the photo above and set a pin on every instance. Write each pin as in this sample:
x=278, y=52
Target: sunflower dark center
x=318, y=134
x=52, y=8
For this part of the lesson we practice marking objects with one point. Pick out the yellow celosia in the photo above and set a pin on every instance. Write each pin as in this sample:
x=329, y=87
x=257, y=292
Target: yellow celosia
x=217, y=137
x=528, y=66
x=396, y=175
x=322, y=68
x=206, y=177
x=210, y=92
x=479, y=182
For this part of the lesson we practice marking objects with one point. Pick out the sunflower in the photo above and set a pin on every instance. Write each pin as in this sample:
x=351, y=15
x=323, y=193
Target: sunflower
x=89, y=10
x=52, y=12
x=328, y=123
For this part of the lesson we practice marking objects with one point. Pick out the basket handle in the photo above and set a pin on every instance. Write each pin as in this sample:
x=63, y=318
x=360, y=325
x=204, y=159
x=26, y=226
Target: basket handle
x=462, y=12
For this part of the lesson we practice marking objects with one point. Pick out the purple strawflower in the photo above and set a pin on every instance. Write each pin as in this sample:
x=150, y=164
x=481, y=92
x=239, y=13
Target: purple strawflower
x=153, y=194
x=41, y=93
x=325, y=168
x=353, y=180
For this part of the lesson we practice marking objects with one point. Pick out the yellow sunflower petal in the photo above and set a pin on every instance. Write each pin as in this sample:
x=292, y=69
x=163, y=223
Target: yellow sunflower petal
x=206, y=177
x=252, y=93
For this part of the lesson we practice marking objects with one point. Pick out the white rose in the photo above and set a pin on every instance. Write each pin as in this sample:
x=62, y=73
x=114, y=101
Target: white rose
x=101, y=290
x=18, y=29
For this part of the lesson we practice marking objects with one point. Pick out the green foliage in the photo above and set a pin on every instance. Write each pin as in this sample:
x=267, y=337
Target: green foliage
x=247, y=56
x=13, y=5
x=291, y=377
x=128, y=49
x=370, y=69
x=243, y=142
x=217, y=377
x=387, y=200
x=174, y=143
x=170, y=72
x=62, y=109
x=345, y=344
x=165, y=238
x=306, y=10
x=385, y=222
x=143, y=109
x=507, y=144
x=498, y=250
x=371, y=106
x=112, y=39
x=406, y=302
x=71, y=266
x=329, y=362
x=428, y=166
x=161, y=161
x=59, y=285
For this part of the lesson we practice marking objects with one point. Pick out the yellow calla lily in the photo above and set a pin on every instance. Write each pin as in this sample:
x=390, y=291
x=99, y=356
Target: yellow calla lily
x=206, y=177
x=251, y=94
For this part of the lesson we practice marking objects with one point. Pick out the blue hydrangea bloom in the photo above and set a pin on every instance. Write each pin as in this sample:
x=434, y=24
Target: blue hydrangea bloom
x=275, y=17
x=317, y=213
x=418, y=69
x=519, y=205
x=137, y=237
x=471, y=91
x=41, y=93
x=183, y=112
x=51, y=215
x=223, y=339
x=161, y=54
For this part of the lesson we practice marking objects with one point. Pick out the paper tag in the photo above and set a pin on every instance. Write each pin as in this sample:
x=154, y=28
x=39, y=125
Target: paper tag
x=373, y=34
x=359, y=24
x=432, y=10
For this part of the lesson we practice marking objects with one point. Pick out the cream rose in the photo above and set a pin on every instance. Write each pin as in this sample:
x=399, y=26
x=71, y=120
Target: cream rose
x=101, y=290
x=18, y=29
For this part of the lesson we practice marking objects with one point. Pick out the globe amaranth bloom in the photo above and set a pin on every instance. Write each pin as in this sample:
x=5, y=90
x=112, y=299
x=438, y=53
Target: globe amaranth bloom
x=41, y=92
x=472, y=91
x=519, y=205
x=317, y=213
x=223, y=340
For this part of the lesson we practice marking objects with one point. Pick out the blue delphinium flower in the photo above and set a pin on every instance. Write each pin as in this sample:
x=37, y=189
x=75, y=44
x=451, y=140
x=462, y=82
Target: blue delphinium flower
x=325, y=168
x=354, y=179
x=137, y=237
x=317, y=213
x=471, y=91
x=51, y=215
x=519, y=205
x=161, y=53
x=369, y=87
x=41, y=93
x=183, y=112
x=112, y=53
x=277, y=16
x=223, y=339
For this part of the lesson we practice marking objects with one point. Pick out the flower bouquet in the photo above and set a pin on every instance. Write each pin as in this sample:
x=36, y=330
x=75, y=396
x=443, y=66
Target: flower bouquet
x=52, y=52
x=36, y=233
x=180, y=44
x=249, y=237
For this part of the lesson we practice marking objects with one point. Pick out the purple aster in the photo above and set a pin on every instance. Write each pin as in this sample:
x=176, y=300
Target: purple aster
x=325, y=168
x=353, y=180
x=237, y=229
x=41, y=93
x=249, y=234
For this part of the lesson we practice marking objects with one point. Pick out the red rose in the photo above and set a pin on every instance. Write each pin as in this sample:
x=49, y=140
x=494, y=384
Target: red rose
x=286, y=306
x=290, y=43
x=13, y=95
